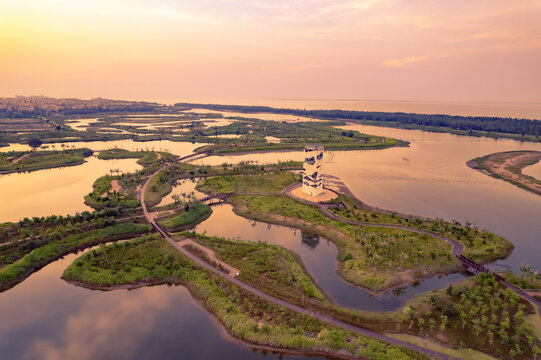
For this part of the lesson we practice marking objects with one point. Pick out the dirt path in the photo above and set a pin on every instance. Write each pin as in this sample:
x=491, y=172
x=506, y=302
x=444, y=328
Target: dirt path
x=458, y=248
x=211, y=255
x=268, y=297
x=508, y=167
x=115, y=186
x=21, y=158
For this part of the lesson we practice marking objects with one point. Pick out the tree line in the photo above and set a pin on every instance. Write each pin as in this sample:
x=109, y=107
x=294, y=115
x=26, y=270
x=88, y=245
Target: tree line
x=463, y=123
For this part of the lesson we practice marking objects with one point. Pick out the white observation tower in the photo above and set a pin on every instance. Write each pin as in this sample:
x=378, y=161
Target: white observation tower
x=312, y=181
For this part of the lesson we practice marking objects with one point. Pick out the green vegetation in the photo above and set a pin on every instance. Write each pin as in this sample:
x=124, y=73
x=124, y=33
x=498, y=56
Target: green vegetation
x=480, y=245
x=29, y=234
x=436, y=315
x=189, y=215
x=161, y=184
x=12, y=274
x=491, y=316
x=461, y=353
x=529, y=279
x=16, y=161
x=267, y=184
x=102, y=196
x=145, y=157
x=524, y=129
x=123, y=194
x=268, y=267
x=371, y=257
x=244, y=315
x=293, y=136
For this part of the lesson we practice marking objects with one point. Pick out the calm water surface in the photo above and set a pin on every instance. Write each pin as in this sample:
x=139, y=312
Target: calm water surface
x=462, y=108
x=319, y=257
x=57, y=191
x=185, y=186
x=174, y=147
x=46, y=318
x=533, y=170
x=430, y=178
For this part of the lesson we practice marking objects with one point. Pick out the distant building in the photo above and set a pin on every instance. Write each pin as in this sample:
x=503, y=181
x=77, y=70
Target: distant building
x=312, y=182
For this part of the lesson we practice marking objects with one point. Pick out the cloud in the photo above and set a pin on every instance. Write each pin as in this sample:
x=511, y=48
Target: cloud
x=404, y=61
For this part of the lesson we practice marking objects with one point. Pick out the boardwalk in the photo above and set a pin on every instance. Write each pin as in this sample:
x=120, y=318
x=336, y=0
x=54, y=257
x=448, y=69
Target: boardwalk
x=203, y=264
x=457, y=251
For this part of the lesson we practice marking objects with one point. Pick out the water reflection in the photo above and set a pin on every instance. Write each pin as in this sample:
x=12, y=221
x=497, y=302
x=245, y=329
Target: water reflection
x=262, y=116
x=319, y=257
x=430, y=178
x=182, y=188
x=310, y=240
x=174, y=147
x=57, y=191
x=46, y=318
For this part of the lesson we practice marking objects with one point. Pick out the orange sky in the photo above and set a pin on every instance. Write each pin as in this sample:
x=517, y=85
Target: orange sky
x=232, y=49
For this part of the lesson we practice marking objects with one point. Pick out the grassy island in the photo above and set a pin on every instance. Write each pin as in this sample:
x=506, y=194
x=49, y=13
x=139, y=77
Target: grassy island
x=373, y=257
x=479, y=245
x=508, y=166
x=187, y=216
x=476, y=313
x=264, y=266
x=254, y=134
x=119, y=190
x=153, y=261
x=51, y=250
x=17, y=161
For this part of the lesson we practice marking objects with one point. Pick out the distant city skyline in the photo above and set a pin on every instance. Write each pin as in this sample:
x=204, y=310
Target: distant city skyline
x=391, y=50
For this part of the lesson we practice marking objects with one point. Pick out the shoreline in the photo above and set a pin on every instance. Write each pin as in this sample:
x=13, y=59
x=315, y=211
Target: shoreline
x=373, y=292
x=222, y=329
x=507, y=166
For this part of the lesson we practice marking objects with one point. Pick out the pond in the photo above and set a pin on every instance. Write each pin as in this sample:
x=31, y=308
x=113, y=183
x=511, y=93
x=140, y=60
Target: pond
x=183, y=186
x=430, y=178
x=174, y=147
x=58, y=191
x=319, y=257
x=45, y=317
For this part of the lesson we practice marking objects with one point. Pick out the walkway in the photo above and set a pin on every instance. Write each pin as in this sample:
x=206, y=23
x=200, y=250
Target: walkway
x=211, y=255
x=458, y=248
x=268, y=297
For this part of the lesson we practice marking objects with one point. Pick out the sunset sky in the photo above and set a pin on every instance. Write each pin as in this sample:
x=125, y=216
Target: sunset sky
x=231, y=49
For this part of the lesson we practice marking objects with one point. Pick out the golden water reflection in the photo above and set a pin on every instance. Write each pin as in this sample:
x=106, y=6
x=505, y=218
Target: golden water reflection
x=57, y=191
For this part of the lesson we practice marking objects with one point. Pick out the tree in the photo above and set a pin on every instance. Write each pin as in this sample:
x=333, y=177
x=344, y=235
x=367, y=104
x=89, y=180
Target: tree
x=34, y=143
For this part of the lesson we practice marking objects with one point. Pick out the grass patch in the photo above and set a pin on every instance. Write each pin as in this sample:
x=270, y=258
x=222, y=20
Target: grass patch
x=480, y=314
x=245, y=316
x=187, y=216
x=38, y=160
x=371, y=257
x=268, y=267
x=269, y=183
x=479, y=245
x=37, y=258
x=465, y=354
x=101, y=196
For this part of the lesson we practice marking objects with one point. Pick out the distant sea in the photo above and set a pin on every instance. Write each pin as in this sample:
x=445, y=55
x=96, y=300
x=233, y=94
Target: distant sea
x=524, y=110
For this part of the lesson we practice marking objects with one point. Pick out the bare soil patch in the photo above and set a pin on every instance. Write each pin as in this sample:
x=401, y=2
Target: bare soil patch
x=508, y=166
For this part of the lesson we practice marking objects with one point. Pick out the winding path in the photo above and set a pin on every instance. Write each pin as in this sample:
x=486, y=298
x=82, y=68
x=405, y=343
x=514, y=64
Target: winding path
x=458, y=248
x=266, y=296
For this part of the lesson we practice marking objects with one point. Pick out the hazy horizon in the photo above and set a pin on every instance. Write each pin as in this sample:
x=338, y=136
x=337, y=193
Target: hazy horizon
x=392, y=50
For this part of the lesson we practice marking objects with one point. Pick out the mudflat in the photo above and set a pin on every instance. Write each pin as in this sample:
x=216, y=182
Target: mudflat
x=508, y=166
